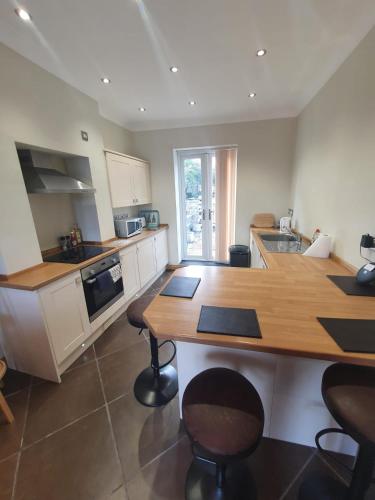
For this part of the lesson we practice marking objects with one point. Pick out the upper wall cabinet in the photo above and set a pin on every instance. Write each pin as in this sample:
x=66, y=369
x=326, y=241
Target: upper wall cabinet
x=129, y=180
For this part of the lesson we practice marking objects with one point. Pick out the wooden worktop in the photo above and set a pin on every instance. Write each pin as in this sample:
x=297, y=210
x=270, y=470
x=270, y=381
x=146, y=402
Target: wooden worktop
x=288, y=297
x=298, y=262
x=47, y=272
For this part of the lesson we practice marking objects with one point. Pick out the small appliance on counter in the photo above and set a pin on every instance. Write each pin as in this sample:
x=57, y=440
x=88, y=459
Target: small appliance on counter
x=152, y=218
x=285, y=225
x=126, y=227
x=366, y=275
x=286, y=222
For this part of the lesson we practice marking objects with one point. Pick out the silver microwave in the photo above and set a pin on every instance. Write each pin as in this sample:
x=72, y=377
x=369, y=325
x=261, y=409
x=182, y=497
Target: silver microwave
x=127, y=227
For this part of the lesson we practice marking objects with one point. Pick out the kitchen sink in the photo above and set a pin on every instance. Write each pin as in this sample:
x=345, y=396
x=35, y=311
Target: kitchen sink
x=278, y=237
x=283, y=243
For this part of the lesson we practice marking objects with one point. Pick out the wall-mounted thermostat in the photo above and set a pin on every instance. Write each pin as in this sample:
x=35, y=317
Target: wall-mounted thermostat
x=84, y=135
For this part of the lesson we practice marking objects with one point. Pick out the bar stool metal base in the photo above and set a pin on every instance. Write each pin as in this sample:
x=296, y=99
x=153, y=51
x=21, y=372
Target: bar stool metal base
x=201, y=482
x=156, y=388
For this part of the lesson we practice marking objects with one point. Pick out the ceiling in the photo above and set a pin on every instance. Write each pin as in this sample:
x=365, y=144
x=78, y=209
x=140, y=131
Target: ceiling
x=212, y=42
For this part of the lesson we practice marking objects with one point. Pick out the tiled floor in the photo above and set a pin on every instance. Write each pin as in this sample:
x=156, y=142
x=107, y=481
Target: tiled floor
x=89, y=439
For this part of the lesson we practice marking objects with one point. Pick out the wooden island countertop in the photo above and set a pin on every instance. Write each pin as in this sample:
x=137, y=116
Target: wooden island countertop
x=288, y=297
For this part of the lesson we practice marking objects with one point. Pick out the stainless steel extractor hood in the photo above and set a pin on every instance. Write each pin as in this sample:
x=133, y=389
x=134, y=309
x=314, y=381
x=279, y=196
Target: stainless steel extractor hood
x=48, y=180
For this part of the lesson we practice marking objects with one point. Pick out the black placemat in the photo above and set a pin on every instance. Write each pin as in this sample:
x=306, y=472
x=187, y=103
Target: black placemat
x=181, y=286
x=229, y=321
x=352, y=335
x=349, y=285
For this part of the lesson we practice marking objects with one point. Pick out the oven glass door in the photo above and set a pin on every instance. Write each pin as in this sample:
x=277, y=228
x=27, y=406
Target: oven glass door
x=101, y=292
x=133, y=227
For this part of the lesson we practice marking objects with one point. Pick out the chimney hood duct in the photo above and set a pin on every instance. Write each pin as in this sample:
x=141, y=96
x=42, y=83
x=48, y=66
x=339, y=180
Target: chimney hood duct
x=48, y=180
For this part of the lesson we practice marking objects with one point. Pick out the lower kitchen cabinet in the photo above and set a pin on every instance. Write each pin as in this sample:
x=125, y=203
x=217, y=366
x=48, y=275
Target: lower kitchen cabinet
x=45, y=330
x=142, y=261
x=130, y=272
x=146, y=260
x=161, y=250
x=65, y=312
x=257, y=260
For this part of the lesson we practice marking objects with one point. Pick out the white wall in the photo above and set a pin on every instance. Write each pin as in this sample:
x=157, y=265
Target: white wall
x=265, y=157
x=116, y=138
x=334, y=177
x=40, y=109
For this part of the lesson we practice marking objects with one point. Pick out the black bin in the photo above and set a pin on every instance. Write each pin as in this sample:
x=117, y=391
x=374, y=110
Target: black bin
x=240, y=256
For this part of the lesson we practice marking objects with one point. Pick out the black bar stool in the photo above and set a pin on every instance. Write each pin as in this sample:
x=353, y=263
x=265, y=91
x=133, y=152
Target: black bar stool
x=349, y=394
x=157, y=384
x=224, y=418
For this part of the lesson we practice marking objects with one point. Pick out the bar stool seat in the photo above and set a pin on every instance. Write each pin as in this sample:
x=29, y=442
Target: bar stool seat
x=136, y=309
x=157, y=384
x=349, y=394
x=224, y=418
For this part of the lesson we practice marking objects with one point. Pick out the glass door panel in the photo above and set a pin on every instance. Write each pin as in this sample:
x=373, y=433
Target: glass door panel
x=193, y=184
x=197, y=183
x=212, y=212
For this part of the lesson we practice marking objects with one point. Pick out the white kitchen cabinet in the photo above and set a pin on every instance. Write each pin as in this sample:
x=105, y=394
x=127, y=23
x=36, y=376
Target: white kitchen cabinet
x=120, y=177
x=161, y=250
x=129, y=180
x=47, y=329
x=65, y=313
x=142, y=184
x=146, y=260
x=130, y=272
x=257, y=260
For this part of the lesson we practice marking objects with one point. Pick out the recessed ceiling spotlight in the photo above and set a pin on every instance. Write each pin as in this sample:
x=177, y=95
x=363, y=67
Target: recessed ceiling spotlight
x=192, y=103
x=173, y=69
x=142, y=109
x=105, y=80
x=261, y=52
x=252, y=95
x=23, y=14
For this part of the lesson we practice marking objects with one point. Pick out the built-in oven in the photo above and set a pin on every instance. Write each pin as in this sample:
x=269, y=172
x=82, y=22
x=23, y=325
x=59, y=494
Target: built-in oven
x=102, y=284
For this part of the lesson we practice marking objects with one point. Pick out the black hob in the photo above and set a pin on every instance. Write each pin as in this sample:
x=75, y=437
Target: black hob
x=76, y=255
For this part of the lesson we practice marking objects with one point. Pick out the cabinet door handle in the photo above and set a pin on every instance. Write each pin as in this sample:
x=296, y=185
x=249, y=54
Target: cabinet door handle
x=78, y=281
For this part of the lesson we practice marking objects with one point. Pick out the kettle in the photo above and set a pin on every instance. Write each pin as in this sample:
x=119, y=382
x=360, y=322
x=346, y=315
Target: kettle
x=285, y=224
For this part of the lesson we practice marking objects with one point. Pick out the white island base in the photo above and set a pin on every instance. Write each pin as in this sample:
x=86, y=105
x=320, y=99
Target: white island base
x=290, y=389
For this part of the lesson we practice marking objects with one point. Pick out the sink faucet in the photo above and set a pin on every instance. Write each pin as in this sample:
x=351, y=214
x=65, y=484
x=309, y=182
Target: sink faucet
x=299, y=241
x=298, y=238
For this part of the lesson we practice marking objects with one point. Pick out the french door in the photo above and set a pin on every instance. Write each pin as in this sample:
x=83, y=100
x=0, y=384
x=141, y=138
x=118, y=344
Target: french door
x=197, y=175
